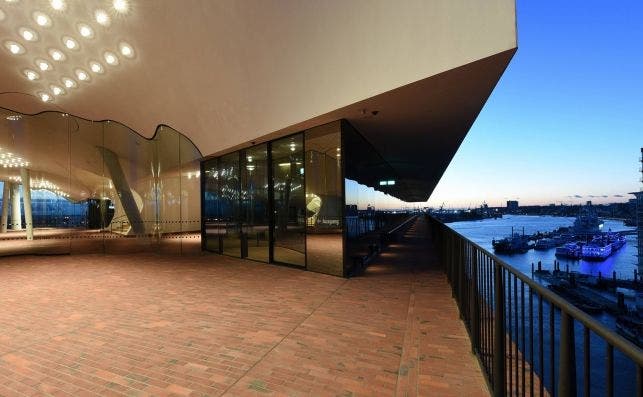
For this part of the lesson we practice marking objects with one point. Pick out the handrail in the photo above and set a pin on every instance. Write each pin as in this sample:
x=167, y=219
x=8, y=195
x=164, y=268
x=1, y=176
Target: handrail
x=394, y=230
x=610, y=336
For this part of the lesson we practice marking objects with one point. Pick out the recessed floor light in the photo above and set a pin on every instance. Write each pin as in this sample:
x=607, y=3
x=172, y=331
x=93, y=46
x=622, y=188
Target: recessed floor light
x=126, y=50
x=14, y=48
x=110, y=58
x=68, y=82
x=102, y=17
x=42, y=19
x=31, y=74
x=70, y=43
x=57, y=55
x=28, y=34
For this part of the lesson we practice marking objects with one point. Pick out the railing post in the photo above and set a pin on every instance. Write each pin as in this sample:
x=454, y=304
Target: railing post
x=499, y=374
x=567, y=359
x=474, y=315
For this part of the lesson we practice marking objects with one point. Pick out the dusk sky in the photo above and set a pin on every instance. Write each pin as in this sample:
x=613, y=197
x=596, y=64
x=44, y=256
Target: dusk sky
x=565, y=122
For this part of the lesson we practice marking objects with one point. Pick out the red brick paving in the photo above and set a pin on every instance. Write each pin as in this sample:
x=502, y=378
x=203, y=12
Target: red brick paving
x=205, y=326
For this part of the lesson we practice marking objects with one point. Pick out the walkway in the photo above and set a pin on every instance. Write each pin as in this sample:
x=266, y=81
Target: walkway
x=211, y=325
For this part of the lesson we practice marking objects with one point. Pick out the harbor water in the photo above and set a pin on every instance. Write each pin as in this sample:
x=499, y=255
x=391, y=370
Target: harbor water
x=623, y=262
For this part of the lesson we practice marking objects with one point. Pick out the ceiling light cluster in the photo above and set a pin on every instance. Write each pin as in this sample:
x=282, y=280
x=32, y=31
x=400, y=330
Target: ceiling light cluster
x=41, y=184
x=78, y=41
x=9, y=160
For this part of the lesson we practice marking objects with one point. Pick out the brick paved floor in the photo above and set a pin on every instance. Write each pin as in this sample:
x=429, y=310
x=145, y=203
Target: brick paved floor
x=211, y=325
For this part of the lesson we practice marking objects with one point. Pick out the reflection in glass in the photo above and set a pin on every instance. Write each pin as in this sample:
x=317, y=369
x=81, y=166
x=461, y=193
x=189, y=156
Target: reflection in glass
x=324, y=201
x=289, y=242
x=211, y=209
x=254, y=203
x=229, y=204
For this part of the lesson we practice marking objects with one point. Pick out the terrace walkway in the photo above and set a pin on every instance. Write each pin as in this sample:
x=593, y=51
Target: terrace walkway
x=211, y=325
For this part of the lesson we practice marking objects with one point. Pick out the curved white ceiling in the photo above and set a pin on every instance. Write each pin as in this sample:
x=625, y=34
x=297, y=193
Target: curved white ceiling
x=225, y=73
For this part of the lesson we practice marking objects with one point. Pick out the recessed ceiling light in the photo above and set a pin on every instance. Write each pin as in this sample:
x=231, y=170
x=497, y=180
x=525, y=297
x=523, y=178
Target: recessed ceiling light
x=11, y=1
x=42, y=19
x=110, y=58
x=14, y=48
x=43, y=65
x=70, y=42
x=85, y=30
x=58, y=5
x=102, y=17
x=44, y=96
x=121, y=5
x=68, y=82
x=96, y=67
x=57, y=55
x=126, y=50
x=28, y=34
x=31, y=74
x=57, y=90
x=82, y=75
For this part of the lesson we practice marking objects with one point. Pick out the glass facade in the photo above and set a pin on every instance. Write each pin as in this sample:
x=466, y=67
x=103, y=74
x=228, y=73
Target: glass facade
x=71, y=185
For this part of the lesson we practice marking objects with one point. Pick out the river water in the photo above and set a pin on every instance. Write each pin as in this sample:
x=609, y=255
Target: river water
x=623, y=262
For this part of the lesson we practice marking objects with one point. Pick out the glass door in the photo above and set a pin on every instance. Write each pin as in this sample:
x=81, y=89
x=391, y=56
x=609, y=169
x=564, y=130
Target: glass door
x=289, y=198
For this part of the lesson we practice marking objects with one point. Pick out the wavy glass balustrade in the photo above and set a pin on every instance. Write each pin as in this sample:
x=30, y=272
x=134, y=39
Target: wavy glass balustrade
x=95, y=187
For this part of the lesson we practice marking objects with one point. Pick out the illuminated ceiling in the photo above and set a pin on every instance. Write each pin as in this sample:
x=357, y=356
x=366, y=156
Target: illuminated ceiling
x=228, y=73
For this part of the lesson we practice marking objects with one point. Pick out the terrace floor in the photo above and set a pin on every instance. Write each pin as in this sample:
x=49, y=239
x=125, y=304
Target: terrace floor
x=210, y=325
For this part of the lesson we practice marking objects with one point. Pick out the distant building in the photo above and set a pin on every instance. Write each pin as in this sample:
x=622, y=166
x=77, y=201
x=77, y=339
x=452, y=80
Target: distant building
x=512, y=206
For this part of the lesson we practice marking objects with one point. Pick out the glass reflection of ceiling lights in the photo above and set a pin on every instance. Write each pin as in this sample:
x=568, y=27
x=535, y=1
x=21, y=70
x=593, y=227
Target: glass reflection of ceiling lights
x=41, y=184
x=87, y=35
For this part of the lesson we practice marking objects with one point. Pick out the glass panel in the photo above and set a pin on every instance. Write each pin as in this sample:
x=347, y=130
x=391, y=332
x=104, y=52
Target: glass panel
x=190, y=196
x=254, y=202
x=229, y=204
x=289, y=244
x=168, y=190
x=211, y=209
x=324, y=201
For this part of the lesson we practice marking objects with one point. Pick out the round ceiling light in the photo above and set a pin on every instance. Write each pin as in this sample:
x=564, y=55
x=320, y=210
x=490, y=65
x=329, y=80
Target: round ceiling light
x=82, y=75
x=42, y=19
x=85, y=30
x=102, y=17
x=28, y=34
x=58, y=5
x=57, y=90
x=110, y=58
x=44, y=96
x=43, y=65
x=70, y=43
x=121, y=6
x=57, y=55
x=126, y=50
x=31, y=74
x=96, y=67
x=69, y=82
x=14, y=48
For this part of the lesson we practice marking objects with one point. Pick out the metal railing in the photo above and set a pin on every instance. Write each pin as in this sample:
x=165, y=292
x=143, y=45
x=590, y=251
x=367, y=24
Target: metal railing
x=526, y=337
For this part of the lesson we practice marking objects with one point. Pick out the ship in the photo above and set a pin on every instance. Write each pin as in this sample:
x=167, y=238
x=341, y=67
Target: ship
x=570, y=251
x=587, y=222
x=545, y=244
x=602, y=246
x=515, y=243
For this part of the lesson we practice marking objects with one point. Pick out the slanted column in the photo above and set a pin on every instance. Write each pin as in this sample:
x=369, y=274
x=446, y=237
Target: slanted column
x=16, y=222
x=26, y=201
x=6, y=196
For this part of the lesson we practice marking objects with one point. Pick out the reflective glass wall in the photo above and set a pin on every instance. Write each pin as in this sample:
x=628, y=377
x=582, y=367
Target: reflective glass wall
x=279, y=201
x=71, y=185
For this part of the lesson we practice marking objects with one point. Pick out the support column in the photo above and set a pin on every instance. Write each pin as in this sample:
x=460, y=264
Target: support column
x=16, y=222
x=26, y=201
x=6, y=196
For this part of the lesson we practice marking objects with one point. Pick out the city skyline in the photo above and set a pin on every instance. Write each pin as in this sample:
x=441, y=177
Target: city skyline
x=564, y=123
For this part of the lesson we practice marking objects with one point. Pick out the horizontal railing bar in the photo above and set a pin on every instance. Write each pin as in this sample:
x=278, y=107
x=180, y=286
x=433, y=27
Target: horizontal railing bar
x=611, y=337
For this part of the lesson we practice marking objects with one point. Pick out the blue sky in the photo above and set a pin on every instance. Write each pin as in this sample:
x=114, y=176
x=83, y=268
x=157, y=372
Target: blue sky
x=566, y=118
